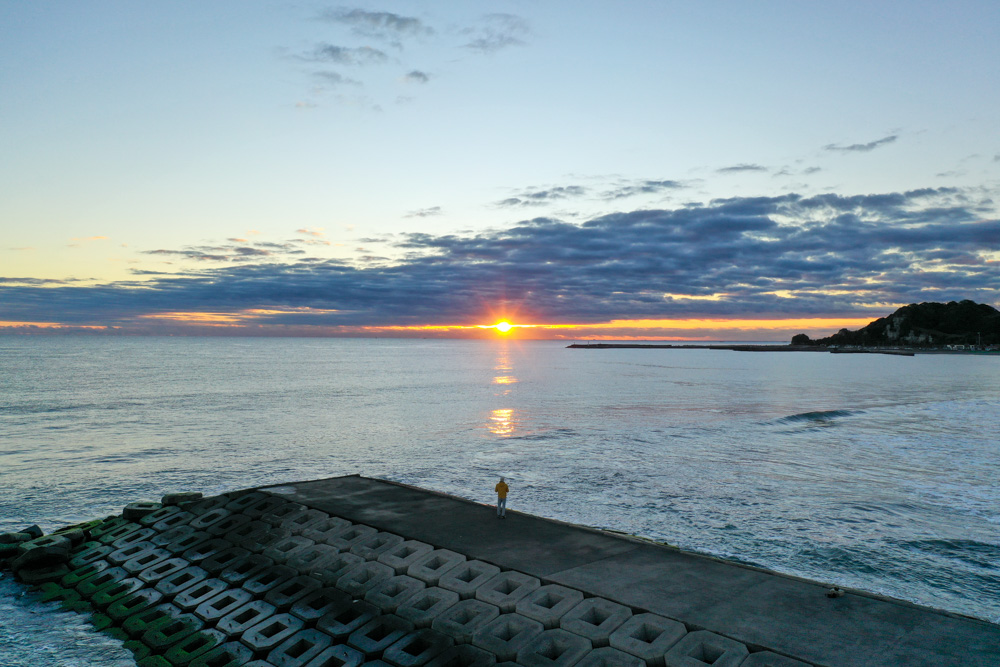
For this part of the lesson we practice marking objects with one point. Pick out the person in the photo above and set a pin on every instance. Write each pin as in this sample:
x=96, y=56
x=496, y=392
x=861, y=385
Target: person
x=501, y=488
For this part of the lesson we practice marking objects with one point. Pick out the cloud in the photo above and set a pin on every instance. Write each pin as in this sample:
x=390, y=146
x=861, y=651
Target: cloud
x=737, y=168
x=341, y=55
x=424, y=212
x=542, y=197
x=311, y=231
x=336, y=78
x=783, y=256
x=641, y=188
x=862, y=148
x=379, y=25
x=416, y=76
x=498, y=32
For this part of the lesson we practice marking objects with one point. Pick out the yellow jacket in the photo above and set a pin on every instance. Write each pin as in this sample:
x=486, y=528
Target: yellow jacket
x=501, y=489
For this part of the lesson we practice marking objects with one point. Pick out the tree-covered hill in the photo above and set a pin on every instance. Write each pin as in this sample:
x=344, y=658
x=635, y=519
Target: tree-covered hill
x=923, y=325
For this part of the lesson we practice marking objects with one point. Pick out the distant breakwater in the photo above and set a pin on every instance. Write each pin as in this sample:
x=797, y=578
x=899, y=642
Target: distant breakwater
x=747, y=348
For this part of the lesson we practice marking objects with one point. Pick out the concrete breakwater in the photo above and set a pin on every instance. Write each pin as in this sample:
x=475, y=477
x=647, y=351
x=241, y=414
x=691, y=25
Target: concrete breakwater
x=351, y=571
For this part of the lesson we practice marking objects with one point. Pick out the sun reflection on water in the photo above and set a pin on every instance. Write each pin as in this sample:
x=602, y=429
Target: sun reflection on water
x=503, y=421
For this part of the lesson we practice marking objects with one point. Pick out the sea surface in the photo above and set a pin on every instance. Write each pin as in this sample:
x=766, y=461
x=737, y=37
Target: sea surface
x=867, y=471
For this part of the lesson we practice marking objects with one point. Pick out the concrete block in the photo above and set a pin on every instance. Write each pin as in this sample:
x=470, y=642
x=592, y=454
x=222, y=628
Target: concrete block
x=371, y=547
x=284, y=595
x=209, y=518
x=338, y=656
x=330, y=571
x=701, y=648
x=609, y=657
x=341, y=621
x=320, y=531
x=228, y=525
x=392, y=592
x=378, y=634
x=287, y=548
x=402, y=555
x=312, y=557
x=229, y=654
x=242, y=503
x=595, y=619
x=266, y=635
x=466, y=577
x=245, y=568
x=175, y=520
x=172, y=584
x=137, y=510
x=206, y=549
x=548, y=604
x=206, y=505
x=187, y=541
x=647, y=636
x=97, y=531
x=125, y=553
x=161, y=635
x=430, y=567
x=89, y=586
x=116, y=533
x=425, y=605
x=304, y=519
x=191, y=597
x=137, y=624
x=220, y=560
x=145, y=560
x=247, y=534
x=263, y=505
x=318, y=603
x=241, y=619
x=158, y=515
x=38, y=574
x=103, y=598
x=180, y=497
x=125, y=607
x=464, y=619
x=184, y=652
x=768, y=659
x=155, y=572
x=222, y=604
x=164, y=538
x=277, y=516
x=89, y=554
x=363, y=577
x=554, y=648
x=267, y=578
x=76, y=575
x=417, y=648
x=463, y=655
x=506, y=589
x=505, y=635
x=267, y=537
x=299, y=649
x=346, y=538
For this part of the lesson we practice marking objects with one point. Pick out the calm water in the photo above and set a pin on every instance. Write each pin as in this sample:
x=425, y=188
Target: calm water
x=867, y=471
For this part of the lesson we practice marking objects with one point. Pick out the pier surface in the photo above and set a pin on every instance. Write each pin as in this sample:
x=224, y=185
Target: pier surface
x=759, y=608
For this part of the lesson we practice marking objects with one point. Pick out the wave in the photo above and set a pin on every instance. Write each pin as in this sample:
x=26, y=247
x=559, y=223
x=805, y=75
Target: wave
x=979, y=554
x=819, y=416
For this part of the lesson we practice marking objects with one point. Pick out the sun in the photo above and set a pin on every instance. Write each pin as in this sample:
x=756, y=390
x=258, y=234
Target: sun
x=503, y=327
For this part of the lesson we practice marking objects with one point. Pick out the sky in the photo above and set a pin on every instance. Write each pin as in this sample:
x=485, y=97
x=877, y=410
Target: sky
x=641, y=170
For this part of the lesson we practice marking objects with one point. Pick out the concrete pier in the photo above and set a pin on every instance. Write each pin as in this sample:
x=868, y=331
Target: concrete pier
x=352, y=571
x=757, y=608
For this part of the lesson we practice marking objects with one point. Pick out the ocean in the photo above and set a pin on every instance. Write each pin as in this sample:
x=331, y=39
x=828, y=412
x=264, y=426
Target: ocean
x=874, y=472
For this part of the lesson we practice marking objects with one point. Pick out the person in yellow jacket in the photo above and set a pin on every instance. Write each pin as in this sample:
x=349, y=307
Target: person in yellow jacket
x=501, y=488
